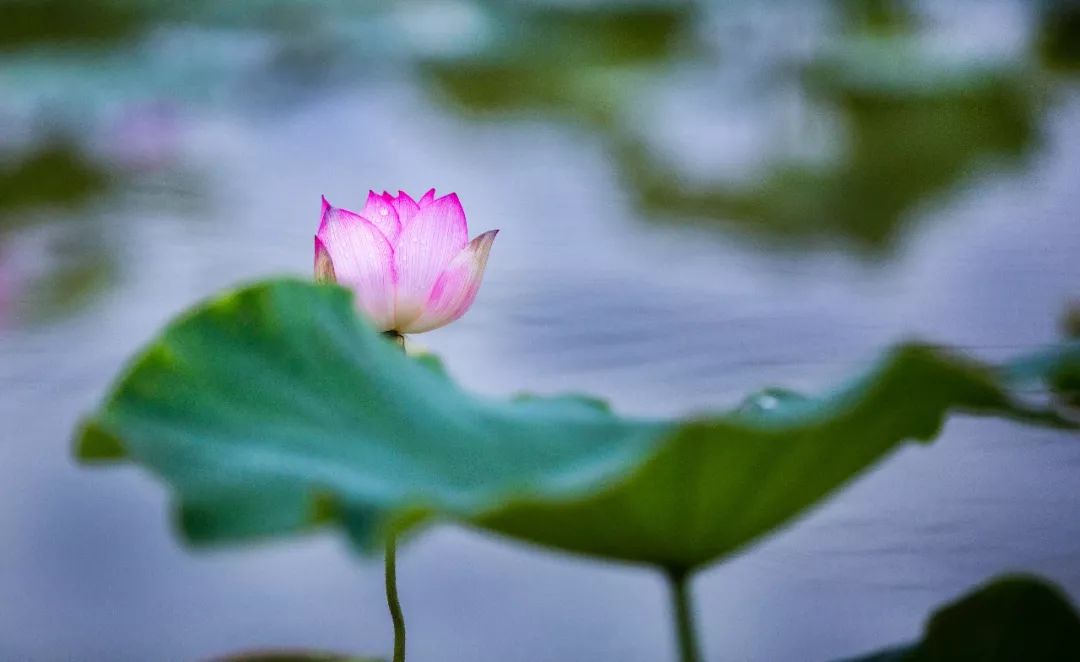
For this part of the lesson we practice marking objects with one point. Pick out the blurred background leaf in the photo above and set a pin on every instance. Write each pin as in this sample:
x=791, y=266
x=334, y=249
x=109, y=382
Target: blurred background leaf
x=1012, y=618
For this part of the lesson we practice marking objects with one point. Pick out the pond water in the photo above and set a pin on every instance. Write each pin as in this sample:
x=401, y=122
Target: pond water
x=696, y=201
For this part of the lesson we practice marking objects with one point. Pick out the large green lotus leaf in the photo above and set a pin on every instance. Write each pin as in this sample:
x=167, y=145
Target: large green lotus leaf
x=275, y=408
x=1016, y=617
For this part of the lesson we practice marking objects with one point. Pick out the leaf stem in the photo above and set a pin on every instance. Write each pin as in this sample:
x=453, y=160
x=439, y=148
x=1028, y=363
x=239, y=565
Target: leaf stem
x=392, y=599
x=678, y=583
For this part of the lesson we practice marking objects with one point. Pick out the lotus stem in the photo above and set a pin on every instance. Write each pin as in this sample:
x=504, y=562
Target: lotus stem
x=392, y=600
x=678, y=583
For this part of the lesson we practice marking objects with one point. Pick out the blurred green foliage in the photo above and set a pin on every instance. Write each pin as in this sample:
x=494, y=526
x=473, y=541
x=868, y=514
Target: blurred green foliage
x=1059, y=39
x=912, y=124
x=909, y=124
x=902, y=149
x=29, y=23
x=905, y=124
x=53, y=175
x=1011, y=619
x=55, y=183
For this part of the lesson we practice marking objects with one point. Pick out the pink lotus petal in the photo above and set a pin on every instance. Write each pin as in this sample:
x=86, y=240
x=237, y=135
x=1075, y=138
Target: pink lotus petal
x=406, y=207
x=424, y=249
x=324, y=264
x=456, y=288
x=427, y=198
x=326, y=207
x=383, y=215
x=363, y=260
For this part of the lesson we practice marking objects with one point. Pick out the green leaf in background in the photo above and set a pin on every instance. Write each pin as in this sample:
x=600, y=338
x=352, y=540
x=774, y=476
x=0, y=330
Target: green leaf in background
x=1010, y=619
x=272, y=409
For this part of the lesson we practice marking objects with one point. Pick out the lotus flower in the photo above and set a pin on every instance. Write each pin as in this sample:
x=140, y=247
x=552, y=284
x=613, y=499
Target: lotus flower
x=409, y=263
